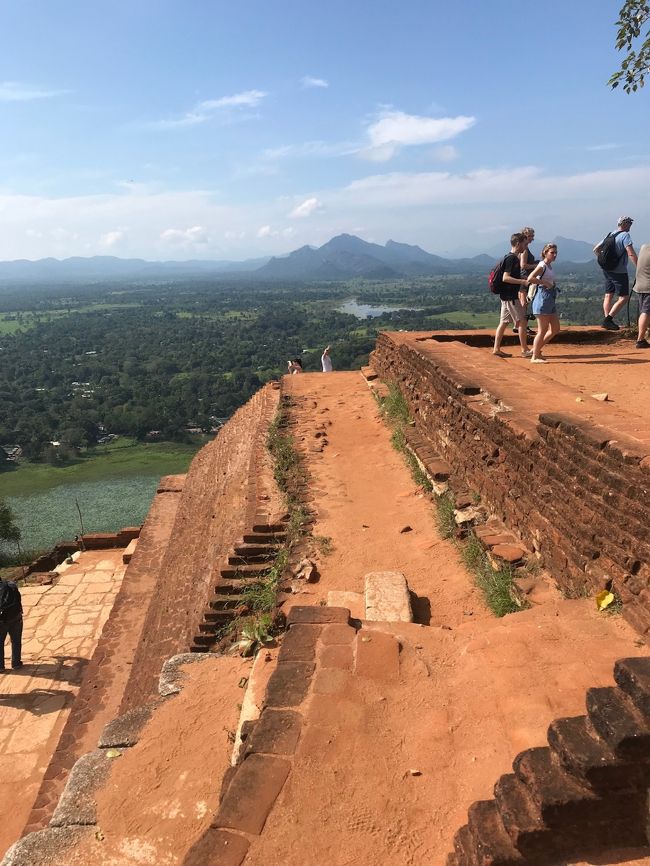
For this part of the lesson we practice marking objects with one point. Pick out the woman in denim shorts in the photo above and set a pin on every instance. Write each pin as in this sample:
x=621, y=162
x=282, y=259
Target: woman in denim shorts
x=544, y=302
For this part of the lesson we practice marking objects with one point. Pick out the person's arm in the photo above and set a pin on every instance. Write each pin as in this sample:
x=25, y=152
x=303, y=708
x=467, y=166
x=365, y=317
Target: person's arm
x=508, y=278
x=632, y=255
x=538, y=277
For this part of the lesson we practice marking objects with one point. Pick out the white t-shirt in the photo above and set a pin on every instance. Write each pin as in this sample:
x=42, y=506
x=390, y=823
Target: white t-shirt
x=326, y=363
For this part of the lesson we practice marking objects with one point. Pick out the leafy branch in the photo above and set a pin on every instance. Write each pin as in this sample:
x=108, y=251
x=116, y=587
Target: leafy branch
x=633, y=16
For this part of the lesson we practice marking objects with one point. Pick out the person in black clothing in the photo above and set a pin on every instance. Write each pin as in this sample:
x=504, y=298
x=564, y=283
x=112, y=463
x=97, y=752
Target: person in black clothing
x=512, y=309
x=527, y=263
x=11, y=623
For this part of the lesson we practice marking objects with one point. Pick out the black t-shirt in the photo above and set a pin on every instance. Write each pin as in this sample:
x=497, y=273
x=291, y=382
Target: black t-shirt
x=509, y=291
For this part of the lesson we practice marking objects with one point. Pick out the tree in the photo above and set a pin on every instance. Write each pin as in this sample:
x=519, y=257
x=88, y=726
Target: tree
x=633, y=16
x=8, y=529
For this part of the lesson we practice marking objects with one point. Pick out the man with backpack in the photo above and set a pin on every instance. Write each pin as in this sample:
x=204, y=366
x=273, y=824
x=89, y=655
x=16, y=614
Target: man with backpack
x=11, y=623
x=612, y=254
x=507, y=282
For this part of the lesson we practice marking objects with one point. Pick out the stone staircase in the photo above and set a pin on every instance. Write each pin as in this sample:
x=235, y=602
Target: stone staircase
x=246, y=565
x=583, y=794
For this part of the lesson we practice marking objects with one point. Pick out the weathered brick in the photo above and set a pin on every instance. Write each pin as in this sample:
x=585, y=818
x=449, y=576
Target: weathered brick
x=252, y=793
x=217, y=848
x=336, y=656
x=491, y=842
x=377, y=655
x=275, y=733
x=337, y=634
x=289, y=684
x=299, y=643
x=317, y=615
x=633, y=677
x=619, y=722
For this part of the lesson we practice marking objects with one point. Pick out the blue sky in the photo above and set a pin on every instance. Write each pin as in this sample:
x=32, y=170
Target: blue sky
x=210, y=130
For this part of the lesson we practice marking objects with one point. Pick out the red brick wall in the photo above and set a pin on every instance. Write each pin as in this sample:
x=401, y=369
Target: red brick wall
x=571, y=489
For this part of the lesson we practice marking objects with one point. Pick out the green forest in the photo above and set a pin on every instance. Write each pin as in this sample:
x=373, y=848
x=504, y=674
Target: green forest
x=79, y=363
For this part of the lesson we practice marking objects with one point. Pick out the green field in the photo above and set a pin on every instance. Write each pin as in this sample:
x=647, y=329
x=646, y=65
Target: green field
x=114, y=488
x=122, y=458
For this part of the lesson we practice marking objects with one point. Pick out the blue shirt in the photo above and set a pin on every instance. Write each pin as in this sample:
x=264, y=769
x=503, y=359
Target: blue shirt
x=623, y=240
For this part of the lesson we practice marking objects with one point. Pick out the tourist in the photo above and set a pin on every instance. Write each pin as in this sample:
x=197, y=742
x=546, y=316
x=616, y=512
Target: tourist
x=544, y=296
x=512, y=308
x=326, y=361
x=527, y=263
x=294, y=365
x=11, y=623
x=612, y=254
x=642, y=288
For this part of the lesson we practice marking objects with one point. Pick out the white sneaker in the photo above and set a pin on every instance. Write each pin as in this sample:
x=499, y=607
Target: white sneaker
x=539, y=361
x=527, y=354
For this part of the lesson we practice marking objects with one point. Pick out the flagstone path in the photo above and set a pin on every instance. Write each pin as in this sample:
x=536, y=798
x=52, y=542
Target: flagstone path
x=63, y=623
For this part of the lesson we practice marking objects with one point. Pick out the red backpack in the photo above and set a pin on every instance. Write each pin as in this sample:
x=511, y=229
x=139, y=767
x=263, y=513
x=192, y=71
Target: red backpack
x=495, y=279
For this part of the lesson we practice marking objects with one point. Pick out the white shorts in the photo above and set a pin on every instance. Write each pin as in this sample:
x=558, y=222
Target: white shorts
x=512, y=311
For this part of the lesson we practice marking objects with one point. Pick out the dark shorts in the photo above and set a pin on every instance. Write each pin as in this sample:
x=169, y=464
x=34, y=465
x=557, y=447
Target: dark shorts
x=644, y=302
x=619, y=283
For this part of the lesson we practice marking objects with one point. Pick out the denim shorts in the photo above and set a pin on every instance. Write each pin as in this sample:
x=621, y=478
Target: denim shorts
x=544, y=302
x=619, y=283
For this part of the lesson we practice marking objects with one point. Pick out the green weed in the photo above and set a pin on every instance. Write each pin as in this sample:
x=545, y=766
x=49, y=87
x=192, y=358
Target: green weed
x=445, y=515
x=498, y=585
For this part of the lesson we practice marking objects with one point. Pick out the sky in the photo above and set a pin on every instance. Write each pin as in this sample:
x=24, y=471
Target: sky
x=212, y=130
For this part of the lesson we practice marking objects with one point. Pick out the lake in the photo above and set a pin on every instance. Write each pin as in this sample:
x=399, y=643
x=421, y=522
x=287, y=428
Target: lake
x=363, y=311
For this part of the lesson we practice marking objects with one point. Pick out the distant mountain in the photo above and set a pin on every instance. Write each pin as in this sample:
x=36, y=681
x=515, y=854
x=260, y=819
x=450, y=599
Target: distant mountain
x=347, y=256
x=78, y=269
x=344, y=257
x=569, y=250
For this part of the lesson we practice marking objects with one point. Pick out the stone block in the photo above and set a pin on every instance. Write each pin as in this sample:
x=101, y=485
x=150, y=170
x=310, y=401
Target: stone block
x=45, y=846
x=387, y=597
x=354, y=602
x=336, y=656
x=275, y=733
x=299, y=643
x=125, y=730
x=77, y=805
x=289, y=684
x=377, y=655
x=492, y=844
x=171, y=677
x=633, y=677
x=508, y=552
x=337, y=634
x=252, y=793
x=332, y=681
x=368, y=374
x=217, y=848
x=317, y=615
x=619, y=723
x=129, y=551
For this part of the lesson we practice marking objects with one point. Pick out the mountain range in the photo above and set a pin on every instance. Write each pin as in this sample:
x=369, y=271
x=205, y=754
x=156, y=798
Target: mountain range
x=343, y=257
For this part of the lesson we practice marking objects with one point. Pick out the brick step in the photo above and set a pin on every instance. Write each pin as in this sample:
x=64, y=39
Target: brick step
x=244, y=572
x=633, y=677
x=269, y=527
x=561, y=798
x=584, y=754
x=201, y=642
x=491, y=844
x=212, y=620
x=521, y=817
x=619, y=722
x=226, y=601
x=265, y=537
x=235, y=587
x=248, y=550
x=252, y=559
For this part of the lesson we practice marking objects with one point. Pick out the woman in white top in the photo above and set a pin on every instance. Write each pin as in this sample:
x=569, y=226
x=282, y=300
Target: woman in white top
x=544, y=302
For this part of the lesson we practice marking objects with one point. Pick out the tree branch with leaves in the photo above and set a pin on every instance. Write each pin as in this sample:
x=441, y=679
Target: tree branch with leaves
x=633, y=16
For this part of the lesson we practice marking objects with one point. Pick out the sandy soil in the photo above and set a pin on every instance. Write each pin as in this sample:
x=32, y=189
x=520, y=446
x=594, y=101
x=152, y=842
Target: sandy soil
x=364, y=498
x=161, y=794
x=473, y=690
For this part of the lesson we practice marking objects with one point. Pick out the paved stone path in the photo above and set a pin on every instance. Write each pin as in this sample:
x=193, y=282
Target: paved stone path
x=63, y=623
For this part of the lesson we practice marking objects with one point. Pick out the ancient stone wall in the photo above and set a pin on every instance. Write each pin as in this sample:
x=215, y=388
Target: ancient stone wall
x=573, y=490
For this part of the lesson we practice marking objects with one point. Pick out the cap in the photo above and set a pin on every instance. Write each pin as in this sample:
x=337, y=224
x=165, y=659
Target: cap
x=622, y=220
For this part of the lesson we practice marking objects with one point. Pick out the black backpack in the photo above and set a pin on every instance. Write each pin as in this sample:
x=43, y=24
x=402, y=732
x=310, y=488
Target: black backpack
x=10, y=606
x=608, y=257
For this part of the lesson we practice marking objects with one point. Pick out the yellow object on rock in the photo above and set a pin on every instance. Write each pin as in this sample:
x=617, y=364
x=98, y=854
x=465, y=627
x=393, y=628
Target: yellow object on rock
x=604, y=599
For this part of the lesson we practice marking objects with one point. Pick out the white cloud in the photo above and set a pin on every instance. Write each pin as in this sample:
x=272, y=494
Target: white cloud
x=395, y=130
x=305, y=209
x=445, y=153
x=264, y=232
x=309, y=81
x=14, y=91
x=111, y=239
x=210, y=108
x=196, y=235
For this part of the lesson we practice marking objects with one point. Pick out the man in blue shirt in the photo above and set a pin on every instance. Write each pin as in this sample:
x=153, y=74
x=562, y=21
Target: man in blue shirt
x=616, y=277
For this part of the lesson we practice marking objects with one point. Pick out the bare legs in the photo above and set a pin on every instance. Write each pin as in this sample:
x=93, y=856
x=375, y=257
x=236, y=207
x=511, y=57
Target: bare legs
x=644, y=324
x=547, y=328
x=610, y=308
x=521, y=330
